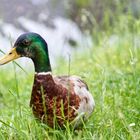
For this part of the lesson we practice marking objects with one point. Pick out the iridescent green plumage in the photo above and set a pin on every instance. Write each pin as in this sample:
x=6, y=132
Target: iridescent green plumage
x=32, y=45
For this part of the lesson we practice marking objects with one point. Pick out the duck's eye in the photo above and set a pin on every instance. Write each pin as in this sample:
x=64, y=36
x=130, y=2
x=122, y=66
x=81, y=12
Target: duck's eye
x=26, y=42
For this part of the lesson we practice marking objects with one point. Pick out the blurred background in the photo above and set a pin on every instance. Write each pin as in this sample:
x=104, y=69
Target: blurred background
x=70, y=25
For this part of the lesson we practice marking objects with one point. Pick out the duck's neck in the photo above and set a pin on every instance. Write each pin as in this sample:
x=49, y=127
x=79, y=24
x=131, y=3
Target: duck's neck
x=41, y=59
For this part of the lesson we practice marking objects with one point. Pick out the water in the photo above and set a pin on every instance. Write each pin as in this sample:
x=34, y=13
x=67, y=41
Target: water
x=57, y=37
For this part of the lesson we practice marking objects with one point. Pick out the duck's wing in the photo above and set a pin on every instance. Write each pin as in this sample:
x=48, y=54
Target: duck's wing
x=70, y=80
x=80, y=88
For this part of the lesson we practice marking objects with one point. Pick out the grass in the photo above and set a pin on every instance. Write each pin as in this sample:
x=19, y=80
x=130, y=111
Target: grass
x=112, y=72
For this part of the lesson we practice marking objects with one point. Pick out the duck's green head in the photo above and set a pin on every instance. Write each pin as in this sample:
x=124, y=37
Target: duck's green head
x=30, y=45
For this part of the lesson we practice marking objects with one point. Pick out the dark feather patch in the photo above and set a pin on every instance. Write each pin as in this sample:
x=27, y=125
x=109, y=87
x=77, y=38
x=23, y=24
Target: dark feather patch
x=53, y=99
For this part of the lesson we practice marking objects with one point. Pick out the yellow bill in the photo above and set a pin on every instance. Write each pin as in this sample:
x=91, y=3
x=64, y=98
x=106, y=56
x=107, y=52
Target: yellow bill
x=12, y=55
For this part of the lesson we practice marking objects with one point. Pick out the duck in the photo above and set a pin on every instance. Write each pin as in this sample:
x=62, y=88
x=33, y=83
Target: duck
x=54, y=99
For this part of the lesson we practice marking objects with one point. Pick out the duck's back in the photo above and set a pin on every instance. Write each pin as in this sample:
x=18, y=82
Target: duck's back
x=60, y=99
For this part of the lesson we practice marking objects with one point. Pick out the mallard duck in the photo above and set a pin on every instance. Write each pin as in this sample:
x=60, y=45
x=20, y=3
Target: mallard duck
x=60, y=98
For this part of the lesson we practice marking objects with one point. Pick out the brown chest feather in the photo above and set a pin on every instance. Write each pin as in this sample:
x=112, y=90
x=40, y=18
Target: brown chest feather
x=52, y=101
